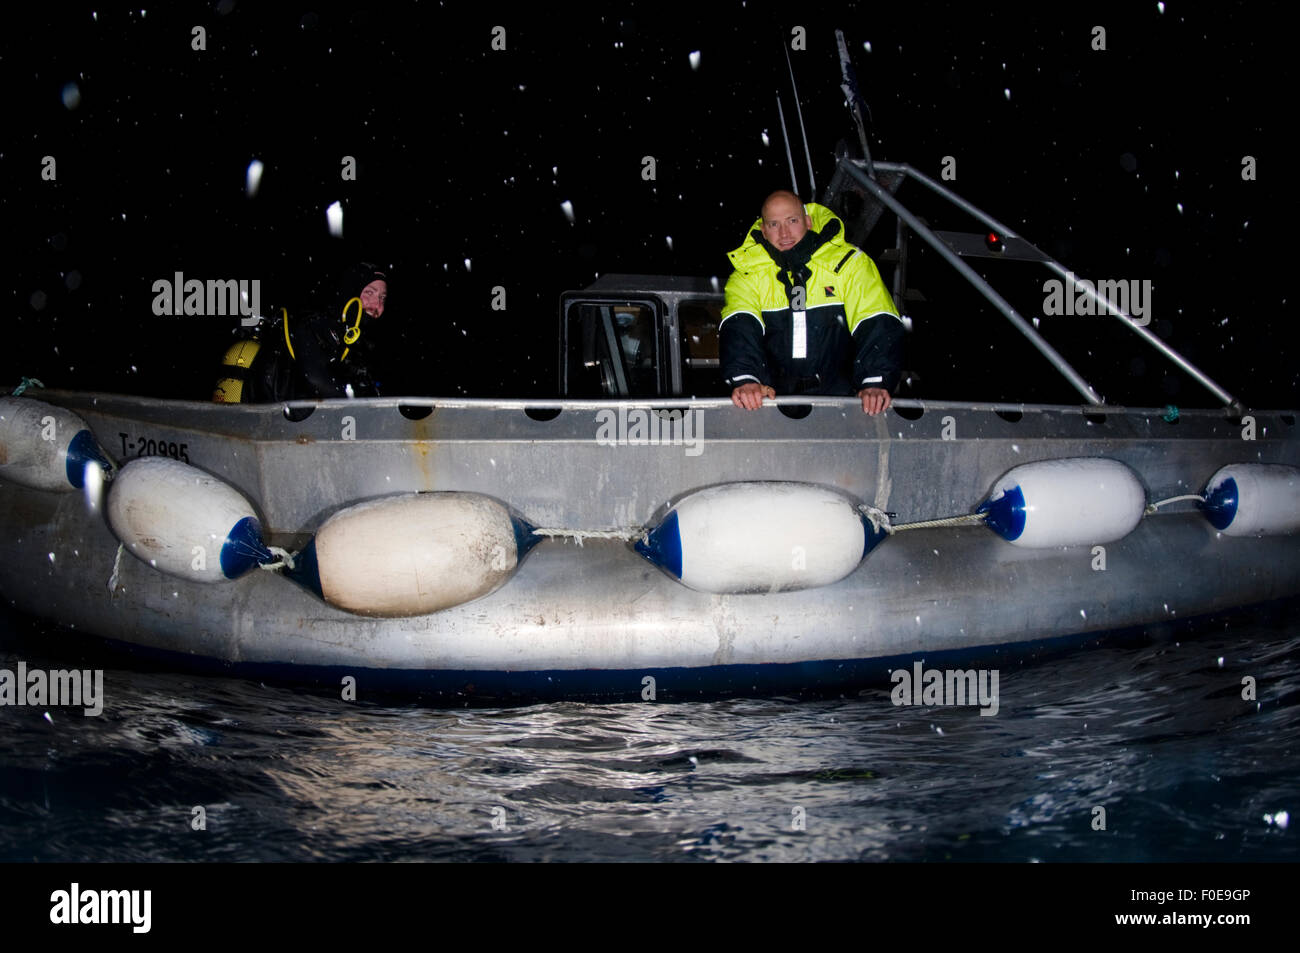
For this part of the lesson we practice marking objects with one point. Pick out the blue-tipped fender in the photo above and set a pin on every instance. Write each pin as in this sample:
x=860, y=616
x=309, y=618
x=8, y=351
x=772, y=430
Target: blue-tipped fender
x=1254, y=499
x=760, y=537
x=413, y=554
x=46, y=447
x=1070, y=502
x=184, y=522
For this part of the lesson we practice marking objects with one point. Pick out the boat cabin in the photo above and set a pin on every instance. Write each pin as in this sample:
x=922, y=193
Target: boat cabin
x=641, y=336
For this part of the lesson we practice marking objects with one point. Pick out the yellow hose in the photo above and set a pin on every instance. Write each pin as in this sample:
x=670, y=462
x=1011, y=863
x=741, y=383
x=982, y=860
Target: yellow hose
x=285, y=312
x=352, y=334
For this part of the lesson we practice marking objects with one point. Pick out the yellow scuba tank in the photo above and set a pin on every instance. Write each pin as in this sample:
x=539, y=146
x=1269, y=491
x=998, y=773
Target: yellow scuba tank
x=235, y=364
x=233, y=385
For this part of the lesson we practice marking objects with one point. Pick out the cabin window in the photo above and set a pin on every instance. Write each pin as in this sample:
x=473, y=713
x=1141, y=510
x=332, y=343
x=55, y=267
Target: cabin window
x=613, y=350
x=701, y=371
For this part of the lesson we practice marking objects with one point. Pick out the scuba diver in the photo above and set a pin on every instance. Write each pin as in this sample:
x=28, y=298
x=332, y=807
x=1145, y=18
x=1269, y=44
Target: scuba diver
x=323, y=353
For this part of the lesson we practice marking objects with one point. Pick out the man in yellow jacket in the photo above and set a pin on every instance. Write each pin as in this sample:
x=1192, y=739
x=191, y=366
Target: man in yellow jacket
x=806, y=312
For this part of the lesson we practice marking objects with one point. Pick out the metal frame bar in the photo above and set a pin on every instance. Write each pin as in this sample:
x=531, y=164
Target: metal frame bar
x=900, y=266
x=990, y=222
x=615, y=352
x=979, y=284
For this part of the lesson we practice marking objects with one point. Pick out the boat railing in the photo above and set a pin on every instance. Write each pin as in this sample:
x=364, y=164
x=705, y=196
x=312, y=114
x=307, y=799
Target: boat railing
x=949, y=246
x=118, y=403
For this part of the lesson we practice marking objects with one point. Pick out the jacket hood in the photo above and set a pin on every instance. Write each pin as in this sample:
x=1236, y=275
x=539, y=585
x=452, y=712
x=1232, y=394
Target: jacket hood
x=357, y=276
x=751, y=254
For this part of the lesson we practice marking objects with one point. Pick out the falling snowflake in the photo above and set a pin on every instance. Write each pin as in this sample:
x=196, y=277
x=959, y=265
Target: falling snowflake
x=253, y=177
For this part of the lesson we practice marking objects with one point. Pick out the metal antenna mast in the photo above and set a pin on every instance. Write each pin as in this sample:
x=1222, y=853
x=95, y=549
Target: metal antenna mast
x=812, y=182
x=785, y=137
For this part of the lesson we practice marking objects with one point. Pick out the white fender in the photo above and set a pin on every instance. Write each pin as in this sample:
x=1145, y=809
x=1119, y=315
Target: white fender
x=1071, y=502
x=413, y=554
x=760, y=537
x=46, y=447
x=183, y=521
x=1254, y=499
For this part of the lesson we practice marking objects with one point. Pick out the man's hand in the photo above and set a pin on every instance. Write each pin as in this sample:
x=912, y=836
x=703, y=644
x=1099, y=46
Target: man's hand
x=875, y=400
x=750, y=396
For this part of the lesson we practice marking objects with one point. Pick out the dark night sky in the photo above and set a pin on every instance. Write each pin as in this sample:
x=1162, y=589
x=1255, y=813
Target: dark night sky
x=456, y=144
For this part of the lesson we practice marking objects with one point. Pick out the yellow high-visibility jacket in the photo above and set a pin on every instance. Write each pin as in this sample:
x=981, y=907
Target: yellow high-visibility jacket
x=848, y=335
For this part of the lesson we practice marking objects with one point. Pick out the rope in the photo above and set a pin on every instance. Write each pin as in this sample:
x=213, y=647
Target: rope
x=286, y=559
x=968, y=520
x=1173, y=499
x=24, y=384
x=880, y=520
x=578, y=535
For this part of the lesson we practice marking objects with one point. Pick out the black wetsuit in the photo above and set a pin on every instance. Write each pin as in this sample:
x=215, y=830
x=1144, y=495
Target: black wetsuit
x=317, y=368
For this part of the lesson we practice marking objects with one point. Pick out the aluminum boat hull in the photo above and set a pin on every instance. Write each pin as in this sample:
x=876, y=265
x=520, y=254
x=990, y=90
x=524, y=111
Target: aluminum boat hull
x=598, y=619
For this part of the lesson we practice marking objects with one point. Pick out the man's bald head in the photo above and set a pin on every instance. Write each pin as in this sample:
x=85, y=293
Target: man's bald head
x=785, y=221
x=783, y=194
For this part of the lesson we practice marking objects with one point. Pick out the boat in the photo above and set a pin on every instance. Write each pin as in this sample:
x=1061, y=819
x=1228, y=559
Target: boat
x=626, y=540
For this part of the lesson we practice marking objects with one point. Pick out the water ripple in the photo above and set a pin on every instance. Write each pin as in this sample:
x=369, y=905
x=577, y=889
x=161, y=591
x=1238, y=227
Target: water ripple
x=1155, y=737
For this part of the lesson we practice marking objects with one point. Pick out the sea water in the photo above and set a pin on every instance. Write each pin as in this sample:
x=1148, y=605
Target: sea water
x=1177, y=746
